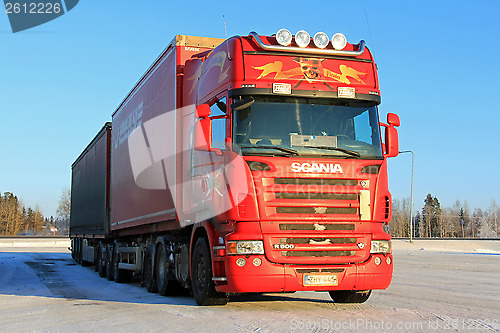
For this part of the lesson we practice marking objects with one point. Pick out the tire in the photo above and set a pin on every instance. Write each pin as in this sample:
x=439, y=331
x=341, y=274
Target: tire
x=78, y=255
x=109, y=262
x=148, y=275
x=120, y=275
x=73, y=248
x=162, y=268
x=201, y=277
x=101, y=269
x=350, y=296
x=96, y=267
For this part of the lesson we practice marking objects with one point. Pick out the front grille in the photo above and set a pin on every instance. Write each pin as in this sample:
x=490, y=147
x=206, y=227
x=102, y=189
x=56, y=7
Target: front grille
x=315, y=181
x=316, y=240
x=315, y=210
x=316, y=226
x=313, y=196
x=317, y=253
x=317, y=196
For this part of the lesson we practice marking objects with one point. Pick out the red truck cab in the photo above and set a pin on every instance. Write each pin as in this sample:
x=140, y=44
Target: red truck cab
x=305, y=121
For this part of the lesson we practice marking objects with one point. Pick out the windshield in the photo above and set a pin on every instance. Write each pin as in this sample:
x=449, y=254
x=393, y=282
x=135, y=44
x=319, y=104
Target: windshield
x=290, y=126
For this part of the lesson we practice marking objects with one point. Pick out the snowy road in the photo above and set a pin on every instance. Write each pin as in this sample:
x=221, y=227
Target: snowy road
x=431, y=291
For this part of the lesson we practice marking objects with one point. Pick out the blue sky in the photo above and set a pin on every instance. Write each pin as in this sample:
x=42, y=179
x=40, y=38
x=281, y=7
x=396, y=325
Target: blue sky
x=438, y=70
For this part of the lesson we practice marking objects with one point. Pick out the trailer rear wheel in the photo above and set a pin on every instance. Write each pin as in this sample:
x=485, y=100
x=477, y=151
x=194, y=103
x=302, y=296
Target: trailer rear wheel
x=148, y=277
x=350, y=296
x=201, y=277
x=101, y=256
x=164, y=286
x=109, y=262
x=120, y=275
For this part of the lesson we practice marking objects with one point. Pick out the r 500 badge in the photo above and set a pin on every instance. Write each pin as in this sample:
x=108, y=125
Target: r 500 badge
x=283, y=246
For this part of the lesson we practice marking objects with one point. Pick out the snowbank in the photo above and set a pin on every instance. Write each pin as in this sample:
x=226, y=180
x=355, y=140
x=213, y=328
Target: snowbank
x=20, y=243
x=455, y=245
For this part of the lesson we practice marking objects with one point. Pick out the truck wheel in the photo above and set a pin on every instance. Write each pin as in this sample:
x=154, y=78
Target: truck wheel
x=96, y=266
x=162, y=271
x=109, y=263
x=201, y=277
x=350, y=296
x=148, y=276
x=101, y=269
x=73, y=248
x=120, y=275
x=78, y=257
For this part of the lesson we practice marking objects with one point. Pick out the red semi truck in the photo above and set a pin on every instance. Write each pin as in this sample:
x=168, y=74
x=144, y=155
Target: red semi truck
x=249, y=165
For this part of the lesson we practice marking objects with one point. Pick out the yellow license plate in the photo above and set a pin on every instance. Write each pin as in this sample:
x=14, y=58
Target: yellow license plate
x=320, y=280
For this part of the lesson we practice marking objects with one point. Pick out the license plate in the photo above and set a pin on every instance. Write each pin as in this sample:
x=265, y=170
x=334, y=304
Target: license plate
x=320, y=280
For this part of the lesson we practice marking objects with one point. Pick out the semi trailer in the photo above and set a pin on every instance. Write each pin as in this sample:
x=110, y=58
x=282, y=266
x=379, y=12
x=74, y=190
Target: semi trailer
x=255, y=164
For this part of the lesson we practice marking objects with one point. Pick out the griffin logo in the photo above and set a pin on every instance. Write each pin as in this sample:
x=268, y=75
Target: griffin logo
x=320, y=210
x=319, y=227
x=311, y=70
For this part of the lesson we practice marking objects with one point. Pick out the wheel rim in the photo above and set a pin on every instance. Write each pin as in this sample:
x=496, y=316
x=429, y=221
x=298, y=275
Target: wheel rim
x=200, y=273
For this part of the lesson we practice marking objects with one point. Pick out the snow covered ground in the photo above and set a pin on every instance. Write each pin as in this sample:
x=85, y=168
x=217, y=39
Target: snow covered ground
x=43, y=290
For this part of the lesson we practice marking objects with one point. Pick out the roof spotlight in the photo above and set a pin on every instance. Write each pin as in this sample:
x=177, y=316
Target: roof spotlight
x=339, y=41
x=284, y=37
x=321, y=40
x=302, y=38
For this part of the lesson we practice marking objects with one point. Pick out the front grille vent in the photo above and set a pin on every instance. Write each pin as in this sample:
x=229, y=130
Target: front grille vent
x=317, y=196
x=318, y=241
x=316, y=226
x=315, y=181
x=317, y=253
x=316, y=210
x=387, y=207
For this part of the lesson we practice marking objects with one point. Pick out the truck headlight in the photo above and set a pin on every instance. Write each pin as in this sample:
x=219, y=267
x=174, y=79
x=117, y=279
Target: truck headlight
x=245, y=247
x=381, y=246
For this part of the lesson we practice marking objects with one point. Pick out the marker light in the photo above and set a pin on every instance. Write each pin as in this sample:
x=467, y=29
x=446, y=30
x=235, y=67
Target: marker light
x=302, y=38
x=339, y=41
x=284, y=37
x=321, y=40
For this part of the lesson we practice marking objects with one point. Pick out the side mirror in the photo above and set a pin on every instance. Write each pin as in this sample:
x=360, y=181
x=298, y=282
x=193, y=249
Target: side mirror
x=393, y=119
x=391, y=135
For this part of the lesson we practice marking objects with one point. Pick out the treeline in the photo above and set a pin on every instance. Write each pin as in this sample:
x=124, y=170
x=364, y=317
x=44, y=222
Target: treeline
x=17, y=220
x=436, y=221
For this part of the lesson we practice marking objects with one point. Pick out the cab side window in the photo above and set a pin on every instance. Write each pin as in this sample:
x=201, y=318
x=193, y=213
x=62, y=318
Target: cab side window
x=218, y=116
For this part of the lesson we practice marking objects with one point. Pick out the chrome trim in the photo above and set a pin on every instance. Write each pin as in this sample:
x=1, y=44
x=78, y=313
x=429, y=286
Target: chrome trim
x=219, y=279
x=219, y=247
x=295, y=49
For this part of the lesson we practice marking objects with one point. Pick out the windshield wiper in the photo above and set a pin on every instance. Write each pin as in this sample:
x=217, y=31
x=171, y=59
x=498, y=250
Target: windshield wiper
x=347, y=151
x=286, y=150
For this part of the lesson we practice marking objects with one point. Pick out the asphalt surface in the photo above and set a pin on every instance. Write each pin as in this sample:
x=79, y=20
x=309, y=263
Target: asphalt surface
x=44, y=290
